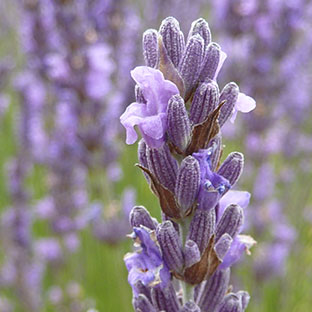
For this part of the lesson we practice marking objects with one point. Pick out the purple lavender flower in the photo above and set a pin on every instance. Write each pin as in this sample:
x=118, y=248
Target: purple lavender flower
x=189, y=253
x=146, y=264
x=150, y=116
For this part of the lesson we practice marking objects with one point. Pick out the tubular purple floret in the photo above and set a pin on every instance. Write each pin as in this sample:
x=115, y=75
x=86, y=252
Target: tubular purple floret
x=223, y=245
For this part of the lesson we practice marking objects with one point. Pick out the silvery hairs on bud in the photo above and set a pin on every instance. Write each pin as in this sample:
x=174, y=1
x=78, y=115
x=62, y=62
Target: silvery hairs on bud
x=201, y=27
x=179, y=127
x=232, y=167
x=206, y=99
x=163, y=165
x=213, y=290
x=230, y=222
x=171, y=245
x=190, y=64
x=150, y=47
x=173, y=39
x=188, y=180
x=202, y=227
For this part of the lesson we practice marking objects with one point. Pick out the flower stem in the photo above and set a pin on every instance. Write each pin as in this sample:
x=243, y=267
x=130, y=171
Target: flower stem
x=188, y=292
x=184, y=225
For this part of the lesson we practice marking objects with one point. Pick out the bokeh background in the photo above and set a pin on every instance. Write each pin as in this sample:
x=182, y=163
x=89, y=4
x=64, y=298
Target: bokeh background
x=68, y=181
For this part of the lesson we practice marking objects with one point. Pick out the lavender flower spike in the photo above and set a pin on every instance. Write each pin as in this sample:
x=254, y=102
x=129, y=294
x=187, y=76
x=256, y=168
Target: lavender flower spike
x=150, y=117
x=184, y=265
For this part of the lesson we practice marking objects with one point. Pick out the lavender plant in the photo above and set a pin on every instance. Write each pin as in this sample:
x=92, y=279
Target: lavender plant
x=183, y=263
x=77, y=71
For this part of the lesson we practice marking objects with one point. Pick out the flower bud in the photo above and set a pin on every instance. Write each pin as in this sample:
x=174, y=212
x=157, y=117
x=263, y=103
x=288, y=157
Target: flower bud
x=150, y=47
x=142, y=304
x=173, y=39
x=201, y=27
x=204, y=102
x=223, y=245
x=140, y=216
x=244, y=297
x=230, y=222
x=190, y=63
x=166, y=299
x=179, y=128
x=231, y=303
x=230, y=95
x=191, y=253
x=232, y=167
x=142, y=156
x=210, y=62
x=188, y=181
x=213, y=290
x=171, y=246
x=202, y=227
x=163, y=166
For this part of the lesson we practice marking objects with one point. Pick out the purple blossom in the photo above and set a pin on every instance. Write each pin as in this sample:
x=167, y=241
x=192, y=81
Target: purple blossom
x=150, y=117
x=209, y=179
x=146, y=264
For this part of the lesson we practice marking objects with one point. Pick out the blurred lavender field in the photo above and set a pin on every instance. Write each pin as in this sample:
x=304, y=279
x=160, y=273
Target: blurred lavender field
x=68, y=181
